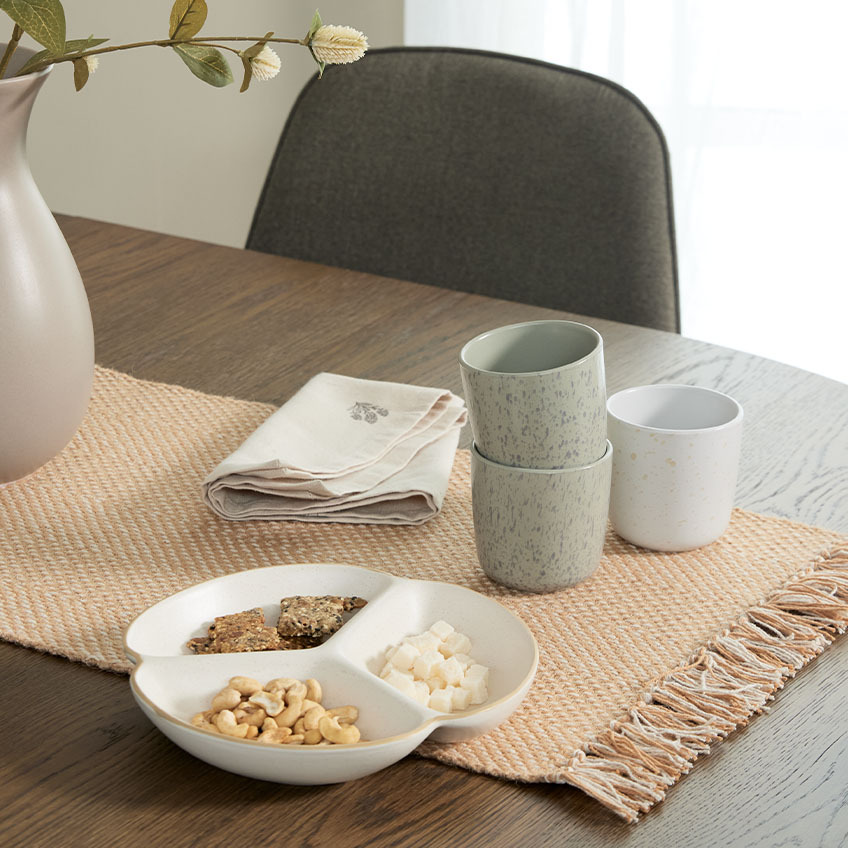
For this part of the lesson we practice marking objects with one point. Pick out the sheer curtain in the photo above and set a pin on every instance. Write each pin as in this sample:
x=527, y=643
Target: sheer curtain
x=753, y=99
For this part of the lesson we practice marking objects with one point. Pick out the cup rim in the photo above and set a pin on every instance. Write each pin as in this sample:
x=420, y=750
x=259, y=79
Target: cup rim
x=569, y=469
x=466, y=364
x=672, y=431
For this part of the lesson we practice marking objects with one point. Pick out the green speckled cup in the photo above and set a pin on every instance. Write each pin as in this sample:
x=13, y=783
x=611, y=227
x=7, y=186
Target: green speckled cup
x=536, y=394
x=539, y=530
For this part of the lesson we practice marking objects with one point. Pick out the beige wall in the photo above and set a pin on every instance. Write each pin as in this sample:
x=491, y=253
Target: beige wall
x=147, y=144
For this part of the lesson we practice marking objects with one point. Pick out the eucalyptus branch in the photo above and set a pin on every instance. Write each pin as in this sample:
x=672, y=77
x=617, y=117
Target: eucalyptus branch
x=44, y=21
x=17, y=32
x=205, y=41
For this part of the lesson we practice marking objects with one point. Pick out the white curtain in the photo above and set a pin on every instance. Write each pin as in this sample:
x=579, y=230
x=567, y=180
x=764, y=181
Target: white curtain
x=753, y=99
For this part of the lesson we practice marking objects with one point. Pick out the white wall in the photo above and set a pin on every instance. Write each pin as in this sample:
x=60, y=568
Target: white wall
x=147, y=144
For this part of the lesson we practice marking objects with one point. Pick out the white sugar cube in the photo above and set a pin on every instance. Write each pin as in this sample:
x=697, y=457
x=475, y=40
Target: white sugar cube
x=434, y=683
x=424, y=641
x=456, y=643
x=464, y=660
x=460, y=698
x=477, y=671
x=404, y=656
x=422, y=692
x=441, y=701
x=425, y=665
x=387, y=669
x=402, y=682
x=442, y=629
x=477, y=690
x=450, y=671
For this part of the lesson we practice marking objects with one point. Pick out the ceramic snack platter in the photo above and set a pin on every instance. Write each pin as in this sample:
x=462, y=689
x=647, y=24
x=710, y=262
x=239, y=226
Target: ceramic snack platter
x=170, y=684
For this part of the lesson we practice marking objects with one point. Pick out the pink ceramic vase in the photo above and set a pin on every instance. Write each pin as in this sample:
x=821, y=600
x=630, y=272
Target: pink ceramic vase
x=46, y=339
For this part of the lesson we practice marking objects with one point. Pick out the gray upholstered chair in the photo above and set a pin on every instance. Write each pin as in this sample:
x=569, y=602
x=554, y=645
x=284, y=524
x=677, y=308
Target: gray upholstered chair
x=479, y=172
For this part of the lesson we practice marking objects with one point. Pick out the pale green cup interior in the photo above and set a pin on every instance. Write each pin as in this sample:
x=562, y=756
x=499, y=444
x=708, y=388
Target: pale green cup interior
x=530, y=347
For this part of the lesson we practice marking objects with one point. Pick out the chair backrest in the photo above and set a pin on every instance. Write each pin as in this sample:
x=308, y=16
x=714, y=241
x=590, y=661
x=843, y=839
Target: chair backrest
x=479, y=172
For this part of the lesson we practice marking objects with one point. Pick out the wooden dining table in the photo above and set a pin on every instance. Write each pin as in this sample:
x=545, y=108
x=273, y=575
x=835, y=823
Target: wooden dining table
x=81, y=766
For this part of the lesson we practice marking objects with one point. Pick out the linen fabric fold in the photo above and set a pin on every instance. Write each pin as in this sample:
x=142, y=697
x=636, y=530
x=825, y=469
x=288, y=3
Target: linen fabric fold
x=344, y=449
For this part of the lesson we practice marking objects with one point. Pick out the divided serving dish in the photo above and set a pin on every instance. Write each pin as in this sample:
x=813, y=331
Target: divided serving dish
x=170, y=684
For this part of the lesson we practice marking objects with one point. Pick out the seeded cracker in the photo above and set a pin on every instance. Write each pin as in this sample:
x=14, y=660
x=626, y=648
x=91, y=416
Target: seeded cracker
x=241, y=631
x=296, y=643
x=314, y=616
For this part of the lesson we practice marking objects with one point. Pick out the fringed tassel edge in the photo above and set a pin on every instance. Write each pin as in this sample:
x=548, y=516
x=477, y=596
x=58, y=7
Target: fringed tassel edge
x=629, y=767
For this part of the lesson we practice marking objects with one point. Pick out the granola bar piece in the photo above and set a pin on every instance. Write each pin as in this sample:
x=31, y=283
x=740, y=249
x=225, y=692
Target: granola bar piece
x=237, y=622
x=297, y=643
x=241, y=631
x=235, y=641
x=315, y=616
x=201, y=645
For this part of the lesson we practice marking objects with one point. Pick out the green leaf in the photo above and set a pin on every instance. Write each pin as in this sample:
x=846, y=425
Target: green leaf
x=78, y=45
x=248, y=73
x=316, y=24
x=256, y=49
x=187, y=18
x=44, y=20
x=321, y=65
x=206, y=63
x=80, y=73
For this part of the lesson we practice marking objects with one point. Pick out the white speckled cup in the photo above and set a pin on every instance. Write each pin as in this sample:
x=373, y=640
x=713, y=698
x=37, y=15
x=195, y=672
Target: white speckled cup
x=676, y=461
x=536, y=394
x=539, y=530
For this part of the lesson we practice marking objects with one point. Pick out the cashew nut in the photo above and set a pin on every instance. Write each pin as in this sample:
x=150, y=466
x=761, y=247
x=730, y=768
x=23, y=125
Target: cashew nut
x=226, y=722
x=274, y=736
x=310, y=718
x=279, y=684
x=290, y=714
x=313, y=690
x=287, y=712
x=296, y=690
x=272, y=703
x=226, y=699
x=334, y=732
x=346, y=715
x=205, y=720
x=252, y=714
x=245, y=685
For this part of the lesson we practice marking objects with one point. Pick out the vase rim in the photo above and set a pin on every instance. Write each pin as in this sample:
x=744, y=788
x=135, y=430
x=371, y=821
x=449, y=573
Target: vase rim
x=42, y=73
x=28, y=52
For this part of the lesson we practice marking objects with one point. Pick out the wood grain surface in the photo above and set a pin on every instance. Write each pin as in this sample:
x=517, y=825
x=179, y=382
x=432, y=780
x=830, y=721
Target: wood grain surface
x=81, y=766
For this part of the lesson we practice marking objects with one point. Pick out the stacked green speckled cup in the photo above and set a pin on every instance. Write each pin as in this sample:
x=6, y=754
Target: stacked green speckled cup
x=540, y=462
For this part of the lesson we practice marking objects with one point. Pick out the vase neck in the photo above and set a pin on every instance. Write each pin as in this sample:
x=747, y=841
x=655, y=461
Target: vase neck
x=17, y=96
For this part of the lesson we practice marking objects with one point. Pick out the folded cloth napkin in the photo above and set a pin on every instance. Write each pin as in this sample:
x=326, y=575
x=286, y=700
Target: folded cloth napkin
x=344, y=449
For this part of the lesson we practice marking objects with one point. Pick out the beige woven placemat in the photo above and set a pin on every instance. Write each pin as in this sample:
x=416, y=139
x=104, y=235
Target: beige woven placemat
x=641, y=666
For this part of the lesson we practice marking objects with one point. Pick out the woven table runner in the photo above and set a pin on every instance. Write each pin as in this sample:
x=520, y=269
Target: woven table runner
x=642, y=666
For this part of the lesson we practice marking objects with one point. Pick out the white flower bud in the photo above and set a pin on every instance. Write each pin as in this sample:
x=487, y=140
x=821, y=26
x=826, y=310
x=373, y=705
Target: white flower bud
x=265, y=65
x=338, y=45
